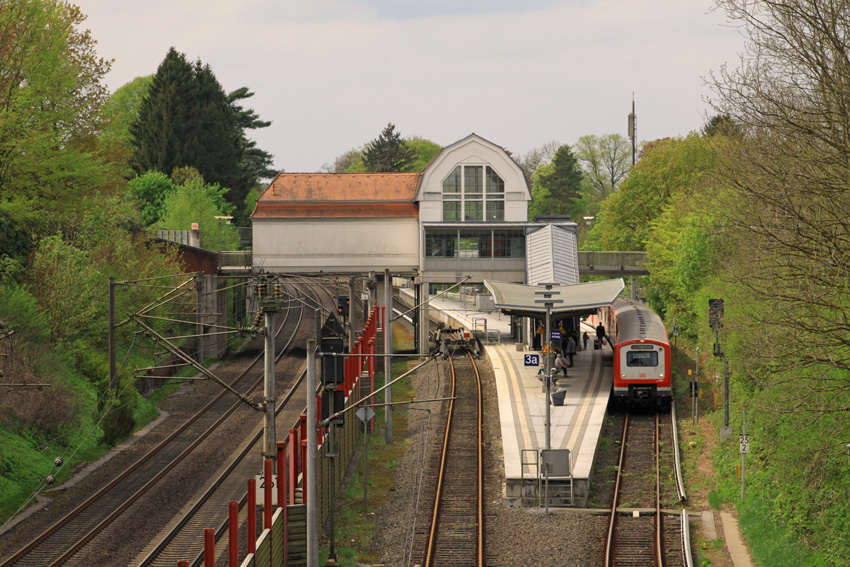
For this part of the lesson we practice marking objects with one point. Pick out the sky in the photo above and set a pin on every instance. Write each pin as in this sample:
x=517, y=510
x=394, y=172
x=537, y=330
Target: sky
x=331, y=74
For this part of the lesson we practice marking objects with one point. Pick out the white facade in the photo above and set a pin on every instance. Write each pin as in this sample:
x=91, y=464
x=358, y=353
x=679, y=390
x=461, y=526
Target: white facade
x=337, y=245
x=473, y=150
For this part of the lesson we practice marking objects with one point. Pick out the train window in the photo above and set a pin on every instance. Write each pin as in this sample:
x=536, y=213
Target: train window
x=642, y=358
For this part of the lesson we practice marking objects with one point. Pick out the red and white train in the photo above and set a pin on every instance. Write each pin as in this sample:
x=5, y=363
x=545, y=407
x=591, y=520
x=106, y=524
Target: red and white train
x=642, y=371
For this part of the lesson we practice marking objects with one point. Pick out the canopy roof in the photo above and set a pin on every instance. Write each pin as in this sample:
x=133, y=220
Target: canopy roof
x=520, y=299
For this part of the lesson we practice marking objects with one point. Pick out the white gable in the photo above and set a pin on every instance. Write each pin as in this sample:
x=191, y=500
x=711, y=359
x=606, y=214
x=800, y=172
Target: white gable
x=473, y=150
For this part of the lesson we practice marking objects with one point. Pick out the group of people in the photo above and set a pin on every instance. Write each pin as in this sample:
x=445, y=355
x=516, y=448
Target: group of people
x=564, y=354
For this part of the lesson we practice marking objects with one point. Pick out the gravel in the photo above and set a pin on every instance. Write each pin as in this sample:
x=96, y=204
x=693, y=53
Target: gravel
x=515, y=536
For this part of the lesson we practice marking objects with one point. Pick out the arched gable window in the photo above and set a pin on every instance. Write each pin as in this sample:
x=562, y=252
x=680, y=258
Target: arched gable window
x=473, y=193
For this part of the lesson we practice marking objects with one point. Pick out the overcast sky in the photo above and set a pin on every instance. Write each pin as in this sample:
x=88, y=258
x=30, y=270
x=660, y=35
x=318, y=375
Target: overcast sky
x=330, y=74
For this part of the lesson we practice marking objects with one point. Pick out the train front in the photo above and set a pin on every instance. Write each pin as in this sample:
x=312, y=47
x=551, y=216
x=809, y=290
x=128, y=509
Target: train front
x=642, y=368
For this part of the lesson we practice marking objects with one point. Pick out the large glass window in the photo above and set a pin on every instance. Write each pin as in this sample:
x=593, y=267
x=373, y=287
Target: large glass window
x=475, y=243
x=441, y=244
x=473, y=193
x=508, y=244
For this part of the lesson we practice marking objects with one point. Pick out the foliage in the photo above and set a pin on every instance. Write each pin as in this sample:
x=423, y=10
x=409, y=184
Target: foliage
x=149, y=192
x=188, y=120
x=50, y=77
x=63, y=280
x=667, y=169
x=605, y=161
x=561, y=180
x=258, y=162
x=388, y=152
x=198, y=202
x=344, y=162
x=423, y=152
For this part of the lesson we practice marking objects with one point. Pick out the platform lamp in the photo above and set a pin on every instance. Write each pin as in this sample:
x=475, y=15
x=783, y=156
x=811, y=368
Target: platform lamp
x=548, y=301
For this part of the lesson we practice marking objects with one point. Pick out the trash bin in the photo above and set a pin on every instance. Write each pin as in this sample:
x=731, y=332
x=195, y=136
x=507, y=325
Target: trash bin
x=558, y=397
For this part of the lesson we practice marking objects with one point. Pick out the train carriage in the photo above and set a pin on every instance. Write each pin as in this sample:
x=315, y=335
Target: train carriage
x=642, y=369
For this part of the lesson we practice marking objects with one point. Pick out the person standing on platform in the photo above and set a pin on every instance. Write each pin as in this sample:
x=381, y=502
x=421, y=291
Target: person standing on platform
x=571, y=348
x=585, y=337
x=600, y=334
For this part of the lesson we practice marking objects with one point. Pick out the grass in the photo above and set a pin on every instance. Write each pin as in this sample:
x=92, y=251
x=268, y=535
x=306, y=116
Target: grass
x=353, y=524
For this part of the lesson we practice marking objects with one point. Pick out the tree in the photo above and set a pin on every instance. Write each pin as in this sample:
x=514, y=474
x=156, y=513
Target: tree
x=258, y=162
x=604, y=160
x=122, y=109
x=535, y=157
x=344, y=162
x=51, y=96
x=423, y=152
x=562, y=181
x=667, y=168
x=188, y=120
x=388, y=152
x=786, y=202
x=149, y=192
x=197, y=202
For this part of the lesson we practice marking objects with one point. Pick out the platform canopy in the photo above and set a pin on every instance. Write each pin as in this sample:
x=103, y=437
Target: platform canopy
x=521, y=299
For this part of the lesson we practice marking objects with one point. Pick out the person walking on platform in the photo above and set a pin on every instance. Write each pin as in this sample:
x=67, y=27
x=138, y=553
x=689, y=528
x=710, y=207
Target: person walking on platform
x=585, y=337
x=571, y=349
x=600, y=335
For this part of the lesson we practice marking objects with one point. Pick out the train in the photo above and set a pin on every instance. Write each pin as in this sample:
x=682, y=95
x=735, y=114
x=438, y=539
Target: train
x=642, y=367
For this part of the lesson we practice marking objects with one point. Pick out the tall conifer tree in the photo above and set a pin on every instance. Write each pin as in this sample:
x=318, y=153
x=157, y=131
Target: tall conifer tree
x=186, y=120
x=388, y=152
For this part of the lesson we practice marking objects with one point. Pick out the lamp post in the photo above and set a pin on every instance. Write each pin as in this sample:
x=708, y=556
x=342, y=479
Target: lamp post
x=548, y=301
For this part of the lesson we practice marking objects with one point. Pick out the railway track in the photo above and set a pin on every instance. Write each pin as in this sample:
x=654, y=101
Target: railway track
x=639, y=534
x=455, y=535
x=69, y=536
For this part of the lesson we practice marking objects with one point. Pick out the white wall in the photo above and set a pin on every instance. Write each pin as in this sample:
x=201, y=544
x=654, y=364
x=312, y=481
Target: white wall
x=337, y=245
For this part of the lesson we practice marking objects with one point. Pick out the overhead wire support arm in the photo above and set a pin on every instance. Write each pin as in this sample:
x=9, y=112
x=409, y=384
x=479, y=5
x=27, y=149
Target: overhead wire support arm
x=230, y=329
x=173, y=349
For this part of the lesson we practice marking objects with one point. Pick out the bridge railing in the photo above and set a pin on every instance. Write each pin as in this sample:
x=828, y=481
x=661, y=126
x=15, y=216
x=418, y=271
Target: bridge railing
x=612, y=262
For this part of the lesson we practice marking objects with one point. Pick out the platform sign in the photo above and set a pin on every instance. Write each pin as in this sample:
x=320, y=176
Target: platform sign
x=555, y=335
x=261, y=489
x=745, y=443
x=532, y=359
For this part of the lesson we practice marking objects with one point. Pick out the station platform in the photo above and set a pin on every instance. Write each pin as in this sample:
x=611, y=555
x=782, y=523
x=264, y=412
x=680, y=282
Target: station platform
x=576, y=425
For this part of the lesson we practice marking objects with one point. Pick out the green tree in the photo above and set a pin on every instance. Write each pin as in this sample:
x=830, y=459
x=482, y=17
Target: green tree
x=149, y=192
x=388, y=152
x=666, y=169
x=258, y=162
x=561, y=180
x=605, y=161
x=51, y=97
x=187, y=120
x=198, y=202
x=423, y=152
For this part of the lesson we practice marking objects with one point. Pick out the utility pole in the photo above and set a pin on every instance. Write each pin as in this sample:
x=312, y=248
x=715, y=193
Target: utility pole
x=312, y=477
x=388, y=350
x=548, y=301
x=113, y=375
x=269, y=437
x=633, y=130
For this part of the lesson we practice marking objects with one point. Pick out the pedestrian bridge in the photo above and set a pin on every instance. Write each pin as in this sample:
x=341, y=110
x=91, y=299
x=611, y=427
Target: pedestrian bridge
x=612, y=263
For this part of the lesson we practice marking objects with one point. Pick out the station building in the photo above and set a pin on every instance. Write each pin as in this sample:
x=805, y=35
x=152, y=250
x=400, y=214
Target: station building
x=464, y=218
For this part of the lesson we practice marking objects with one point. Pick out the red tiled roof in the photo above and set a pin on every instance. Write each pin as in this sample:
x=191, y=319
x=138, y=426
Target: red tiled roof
x=329, y=187
x=334, y=210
